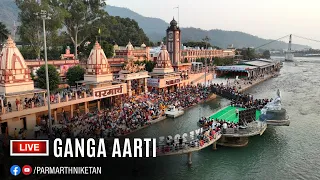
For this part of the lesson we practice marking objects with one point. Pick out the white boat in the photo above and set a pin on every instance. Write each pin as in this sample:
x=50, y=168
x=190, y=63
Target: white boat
x=174, y=112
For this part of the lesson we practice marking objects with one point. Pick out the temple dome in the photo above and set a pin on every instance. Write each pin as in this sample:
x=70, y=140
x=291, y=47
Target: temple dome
x=11, y=58
x=129, y=46
x=143, y=45
x=163, y=60
x=173, y=22
x=97, y=62
x=13, y=69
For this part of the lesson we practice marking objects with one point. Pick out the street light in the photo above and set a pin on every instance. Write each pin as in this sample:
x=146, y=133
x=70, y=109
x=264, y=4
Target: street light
x=44, y=16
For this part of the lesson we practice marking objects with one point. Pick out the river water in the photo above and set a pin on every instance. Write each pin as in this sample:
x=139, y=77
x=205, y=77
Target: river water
x=280, y=153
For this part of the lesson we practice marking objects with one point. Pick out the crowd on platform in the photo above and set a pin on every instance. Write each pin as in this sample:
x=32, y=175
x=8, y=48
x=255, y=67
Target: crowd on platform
x=217, y=124
x=237, y=98
x=133, y=113
x=38, y=99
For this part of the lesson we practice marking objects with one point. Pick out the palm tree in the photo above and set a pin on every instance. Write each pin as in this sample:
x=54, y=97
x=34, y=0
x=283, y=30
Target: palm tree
x=206, y=40
x=4, y=32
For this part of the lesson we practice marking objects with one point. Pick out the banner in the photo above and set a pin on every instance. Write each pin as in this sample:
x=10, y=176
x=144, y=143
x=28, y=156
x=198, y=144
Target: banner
x=99, y=93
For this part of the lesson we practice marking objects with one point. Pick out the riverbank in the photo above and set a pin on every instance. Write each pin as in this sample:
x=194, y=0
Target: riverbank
x=244, y=87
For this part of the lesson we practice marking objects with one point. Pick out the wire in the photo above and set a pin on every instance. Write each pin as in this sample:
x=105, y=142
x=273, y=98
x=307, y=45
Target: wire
x=306, y=38
x=271, y=42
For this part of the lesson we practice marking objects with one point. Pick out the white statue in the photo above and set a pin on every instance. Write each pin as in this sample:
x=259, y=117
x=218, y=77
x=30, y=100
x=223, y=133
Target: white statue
x=273, y=105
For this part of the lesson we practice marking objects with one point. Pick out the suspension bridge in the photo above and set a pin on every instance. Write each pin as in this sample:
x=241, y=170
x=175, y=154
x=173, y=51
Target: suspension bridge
x=289, y=56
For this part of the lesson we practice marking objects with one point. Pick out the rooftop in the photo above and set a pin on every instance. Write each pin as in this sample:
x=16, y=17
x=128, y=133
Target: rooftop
x=229, y=114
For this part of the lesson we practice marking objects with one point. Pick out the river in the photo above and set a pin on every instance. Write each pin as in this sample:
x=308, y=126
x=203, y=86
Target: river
x=280, y=153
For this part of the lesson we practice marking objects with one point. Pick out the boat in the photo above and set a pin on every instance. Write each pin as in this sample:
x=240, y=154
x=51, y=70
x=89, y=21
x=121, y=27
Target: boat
x=174, y=112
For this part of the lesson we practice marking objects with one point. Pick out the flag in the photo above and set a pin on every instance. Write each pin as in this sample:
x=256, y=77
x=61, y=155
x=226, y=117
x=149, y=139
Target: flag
x=99, y=31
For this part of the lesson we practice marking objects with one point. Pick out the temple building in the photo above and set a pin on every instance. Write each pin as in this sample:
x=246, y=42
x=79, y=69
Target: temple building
x=135, y=76
x=23, y=106
x=181, y=55
x=163, y=76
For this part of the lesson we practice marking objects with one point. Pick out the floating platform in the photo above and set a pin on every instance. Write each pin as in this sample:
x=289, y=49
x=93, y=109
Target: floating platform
x=276, y=117
x=238, y=137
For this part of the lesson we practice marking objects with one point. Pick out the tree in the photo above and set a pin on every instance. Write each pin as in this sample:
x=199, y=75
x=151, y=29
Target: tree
x=84, y=50
x=206, y=40
x=266, y=54
x=31, y=29
x=4, y=32
x=248, y=53
x=75, y=73
x=79, y=18
x=54, y=78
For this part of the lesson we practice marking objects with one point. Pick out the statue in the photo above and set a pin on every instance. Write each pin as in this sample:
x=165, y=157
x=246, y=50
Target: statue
x=273, y=105
x=131, y=67
x=142, y=67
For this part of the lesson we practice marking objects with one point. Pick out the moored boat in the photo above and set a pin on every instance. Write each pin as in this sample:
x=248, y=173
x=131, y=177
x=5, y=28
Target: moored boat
x=174, y=112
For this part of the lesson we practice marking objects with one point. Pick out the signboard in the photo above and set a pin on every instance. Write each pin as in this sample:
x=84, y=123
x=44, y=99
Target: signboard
x=173, y=81
x=104, y=92
x=153, y=82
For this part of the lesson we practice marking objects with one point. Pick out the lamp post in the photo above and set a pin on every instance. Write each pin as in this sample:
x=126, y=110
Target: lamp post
x=44, y=16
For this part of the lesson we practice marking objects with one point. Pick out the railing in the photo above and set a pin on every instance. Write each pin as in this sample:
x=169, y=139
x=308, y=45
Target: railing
x=189, y=146
x=56, y=100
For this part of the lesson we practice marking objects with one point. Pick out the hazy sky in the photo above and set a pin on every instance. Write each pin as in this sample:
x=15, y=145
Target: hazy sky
x=270, y=19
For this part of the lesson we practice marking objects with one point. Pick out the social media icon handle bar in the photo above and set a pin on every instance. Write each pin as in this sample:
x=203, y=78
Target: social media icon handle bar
x=26, y=170
x=15, y=170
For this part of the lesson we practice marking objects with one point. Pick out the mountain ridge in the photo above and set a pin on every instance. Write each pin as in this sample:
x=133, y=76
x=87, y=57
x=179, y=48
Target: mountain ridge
x=155, y=29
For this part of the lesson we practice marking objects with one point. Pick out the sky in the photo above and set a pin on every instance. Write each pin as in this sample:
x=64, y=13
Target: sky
x=270, y=19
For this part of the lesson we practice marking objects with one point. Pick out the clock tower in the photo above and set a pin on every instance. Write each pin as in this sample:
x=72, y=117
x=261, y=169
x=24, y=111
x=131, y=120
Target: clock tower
x=173, y=42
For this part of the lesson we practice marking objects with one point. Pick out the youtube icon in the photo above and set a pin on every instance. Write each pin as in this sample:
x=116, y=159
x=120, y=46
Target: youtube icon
x=29, y=148
x=26, y=170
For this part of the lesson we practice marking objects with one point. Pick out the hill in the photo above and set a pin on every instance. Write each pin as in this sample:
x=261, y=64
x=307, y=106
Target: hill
x=155, y=29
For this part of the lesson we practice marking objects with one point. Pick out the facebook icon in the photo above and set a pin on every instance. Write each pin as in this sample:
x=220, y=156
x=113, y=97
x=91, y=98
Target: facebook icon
x=15, y=170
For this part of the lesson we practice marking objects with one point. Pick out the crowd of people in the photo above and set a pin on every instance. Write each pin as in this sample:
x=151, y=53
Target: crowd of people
x=38, y=99
x=217, y=124
x=237, y=98
x=129, y=115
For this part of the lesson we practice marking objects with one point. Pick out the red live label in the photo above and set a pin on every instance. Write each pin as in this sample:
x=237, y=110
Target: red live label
x=29, y=148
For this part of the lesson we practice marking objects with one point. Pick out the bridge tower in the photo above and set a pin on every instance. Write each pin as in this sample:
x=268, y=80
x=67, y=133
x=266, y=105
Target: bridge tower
x=289, y=54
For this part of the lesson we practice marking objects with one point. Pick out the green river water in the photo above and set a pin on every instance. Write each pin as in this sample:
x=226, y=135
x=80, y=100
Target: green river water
x=280, y=153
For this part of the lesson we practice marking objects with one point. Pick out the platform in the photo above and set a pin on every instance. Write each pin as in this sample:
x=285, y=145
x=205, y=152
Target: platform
x=190, y=149
x=229, y=114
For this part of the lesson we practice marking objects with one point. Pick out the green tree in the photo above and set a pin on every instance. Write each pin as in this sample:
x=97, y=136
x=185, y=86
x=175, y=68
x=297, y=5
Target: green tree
x=54, y=79
x=206, y=41
x=248, y=53
x=4, y=32
x=79, y=18
x=266, y=54
x=31, y=29
x=75, y=73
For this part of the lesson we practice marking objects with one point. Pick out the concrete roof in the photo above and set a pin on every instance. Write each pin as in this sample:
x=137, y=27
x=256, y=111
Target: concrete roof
x=235, y=68
x=258, y=63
